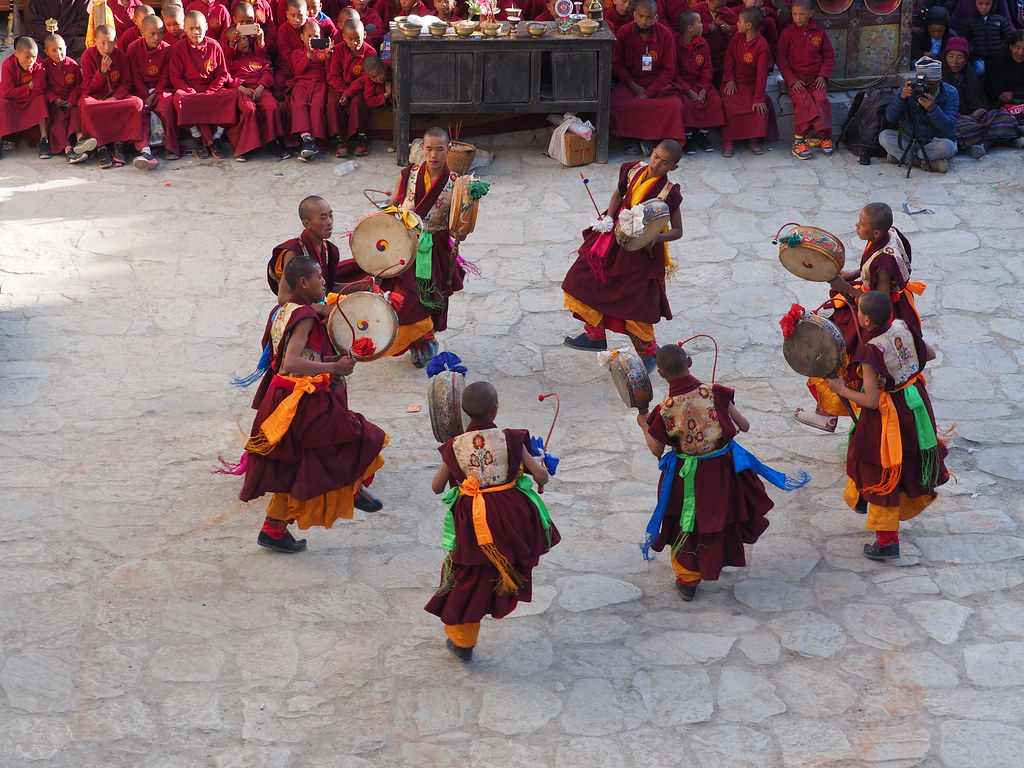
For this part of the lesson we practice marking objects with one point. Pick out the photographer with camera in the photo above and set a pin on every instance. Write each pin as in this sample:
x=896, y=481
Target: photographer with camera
x=925, y=110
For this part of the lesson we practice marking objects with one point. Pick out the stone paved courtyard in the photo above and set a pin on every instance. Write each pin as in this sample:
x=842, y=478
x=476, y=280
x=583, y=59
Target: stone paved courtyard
x=141, y=626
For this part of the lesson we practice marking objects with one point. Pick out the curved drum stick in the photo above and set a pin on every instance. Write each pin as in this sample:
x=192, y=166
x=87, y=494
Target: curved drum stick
x=558, y=407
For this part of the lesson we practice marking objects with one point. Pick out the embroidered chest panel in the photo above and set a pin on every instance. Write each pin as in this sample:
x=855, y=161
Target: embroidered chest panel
x=277, y=333
x=436, y=218
x=894, y=249
x=898, y=353
x=693, y=421
x=483, y=454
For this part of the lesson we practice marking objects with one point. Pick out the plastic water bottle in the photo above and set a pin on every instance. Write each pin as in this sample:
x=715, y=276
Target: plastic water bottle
x=385, y=49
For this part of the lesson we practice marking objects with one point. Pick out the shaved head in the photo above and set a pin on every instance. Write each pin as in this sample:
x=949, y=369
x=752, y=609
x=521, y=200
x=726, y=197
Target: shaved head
x=437, y=132
x=172, y=13
x=648, y=5
x=105, y=30
x=879, y=216
x=673, y=360
x=152, y=22
x=479, y=399
x=310, y=206
x=196, y=16
x=877, y=306
x=26, y=43
x=671, y=149
x=142, y=10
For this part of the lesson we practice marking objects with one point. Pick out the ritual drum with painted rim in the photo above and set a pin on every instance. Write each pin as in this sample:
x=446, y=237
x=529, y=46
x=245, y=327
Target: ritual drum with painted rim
x=631, y=380
x=655, y=215
x=363, y=325
x=816, y=348
x=444, y=401
x=383, y=244
x=811, y=253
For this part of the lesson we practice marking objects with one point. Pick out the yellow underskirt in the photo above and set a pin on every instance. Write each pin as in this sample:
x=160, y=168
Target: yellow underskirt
x=407, y=334
x=887, y=518
x=643, y=331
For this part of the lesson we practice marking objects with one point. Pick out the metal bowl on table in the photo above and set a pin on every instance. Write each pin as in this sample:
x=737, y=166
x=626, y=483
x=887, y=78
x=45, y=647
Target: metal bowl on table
x=410, y=31
x=588, y=27
x=438, y=29
x=490, y=30
x=465, y=28
x=536, y=28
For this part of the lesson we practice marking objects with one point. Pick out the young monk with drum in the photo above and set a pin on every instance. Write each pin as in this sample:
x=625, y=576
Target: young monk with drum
x=317, y=219
x=306, y=447
x=715, y=503
x=895, y=460
x=612, y=289
x=885, y=267
x=496, y=528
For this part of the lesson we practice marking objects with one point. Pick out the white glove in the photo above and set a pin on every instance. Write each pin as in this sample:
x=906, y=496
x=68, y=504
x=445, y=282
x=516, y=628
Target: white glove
x=604, y=224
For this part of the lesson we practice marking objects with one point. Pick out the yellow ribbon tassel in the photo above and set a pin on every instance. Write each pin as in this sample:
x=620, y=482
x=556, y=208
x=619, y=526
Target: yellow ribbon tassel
x=510, y=581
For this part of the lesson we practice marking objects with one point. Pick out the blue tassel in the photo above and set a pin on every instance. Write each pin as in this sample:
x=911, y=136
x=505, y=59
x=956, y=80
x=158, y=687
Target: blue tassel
x=445, y=361
x=537, y=448
x=261, y=367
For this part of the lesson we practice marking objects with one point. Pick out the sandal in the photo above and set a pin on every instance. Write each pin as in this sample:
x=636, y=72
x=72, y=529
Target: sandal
x=817, y=420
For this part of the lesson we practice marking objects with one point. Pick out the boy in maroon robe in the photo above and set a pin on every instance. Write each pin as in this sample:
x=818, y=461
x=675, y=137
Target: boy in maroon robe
x=173, y=17
x=749, y=114
x=199, y=76
x=317, y=220
x=289, y=40
x=769, y=28
x=445, y=10
x=150, y=60
x=23, y=105
x=618, y=15
x=315, y=454
x=885, y=266
x=645, y=103
x=612, y=289
x=314, y=12
x=218, y=19
x=373, y=88
x=374, y=27
x=710, y=499
x=413, y=8
x=719, y=27
x=348, y=115
x=496, y=528
x=895, y=460
x=110, y=112
x=806, y=58
x=252, y=76
x=307, y=92
x=63, y=92
x=123, y=12
x=134, y=32
x=702, y=104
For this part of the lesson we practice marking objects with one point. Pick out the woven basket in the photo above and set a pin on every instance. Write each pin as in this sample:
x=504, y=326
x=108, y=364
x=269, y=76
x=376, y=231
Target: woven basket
x=460, y=157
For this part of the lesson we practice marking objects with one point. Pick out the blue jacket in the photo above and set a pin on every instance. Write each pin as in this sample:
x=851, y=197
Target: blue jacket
x=940, y=123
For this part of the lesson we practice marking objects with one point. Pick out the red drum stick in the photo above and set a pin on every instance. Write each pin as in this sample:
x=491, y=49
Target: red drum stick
x=558, y=407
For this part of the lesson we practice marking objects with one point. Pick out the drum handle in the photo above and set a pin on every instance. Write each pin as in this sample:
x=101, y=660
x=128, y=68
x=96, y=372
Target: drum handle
x=558, y=407
x=775, y=240
x=373, y=202
x=714, y=368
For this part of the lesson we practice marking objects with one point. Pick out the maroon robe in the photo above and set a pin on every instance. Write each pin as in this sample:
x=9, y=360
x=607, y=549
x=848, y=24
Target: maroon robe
x=717, y=40
x=863, y=458
x=130, y=36
x=669, y=10
x=343, y=69
x=307, y=93
x=614, y=21
x=805, y=54
x=630, y=285
x=22, y=108
x=327, y=256
x=218, y=19
x=326, y=448
x=660, y=115
x=373, y=93
x=263, y=12
x=259, y=121
x=731, y=507
x=518, y=534
x=151, y=73
x=64, y=82
x=693, y=73
x=288, y=40
x=746, y=65
x=373, y=26
x=120, y=118
x=123, y=14
x=447, y=274
x=199, y=76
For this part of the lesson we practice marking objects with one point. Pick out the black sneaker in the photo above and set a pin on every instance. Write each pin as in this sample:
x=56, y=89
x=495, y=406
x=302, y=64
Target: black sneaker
x=686, y=591
x=861, y=507
x=103, y=156
x=703, y=143
x=691, y=149
x=241, y=158
x=367, y=502
x=74, y=158
x=585, y=342
x=202, y=152
x=416, y=354
x=118, y=154
x=217, y=149
x=145, y=161
x=874, y=552
x=277, y=149
x=287, y=543
x=44, y=149
x=465, y=655
x=308, y=149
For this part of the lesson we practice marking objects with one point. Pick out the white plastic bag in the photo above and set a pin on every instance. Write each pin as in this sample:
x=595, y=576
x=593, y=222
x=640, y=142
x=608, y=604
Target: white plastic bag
x=572, y=124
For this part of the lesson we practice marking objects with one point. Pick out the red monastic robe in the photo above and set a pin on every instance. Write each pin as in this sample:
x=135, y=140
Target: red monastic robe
x=746, y=64
x=253, y=69
x=199, y=76
x=805, y=54
x=109, y=110
x=694, y=73
x=659, y=116
x=22, y=108
x=307, y=93
x=151, y=73
x=64, y=82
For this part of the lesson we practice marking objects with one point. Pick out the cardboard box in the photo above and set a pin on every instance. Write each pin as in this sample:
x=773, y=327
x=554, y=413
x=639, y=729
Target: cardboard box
x=579, y=151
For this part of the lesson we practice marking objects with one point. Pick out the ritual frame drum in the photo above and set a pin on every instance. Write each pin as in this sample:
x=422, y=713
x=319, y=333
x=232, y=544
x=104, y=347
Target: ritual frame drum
x=811, y=253
x=383, y=245
x=444, y=401
x=655, y=213
x=816, y=349
x=631, y=380
x=363, y=315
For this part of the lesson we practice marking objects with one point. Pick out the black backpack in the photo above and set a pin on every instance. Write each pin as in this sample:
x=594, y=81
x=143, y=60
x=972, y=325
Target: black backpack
x=865, y=121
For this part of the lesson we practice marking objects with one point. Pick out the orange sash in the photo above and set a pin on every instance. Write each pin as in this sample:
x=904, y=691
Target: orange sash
x=276, y=424
x=511, y=580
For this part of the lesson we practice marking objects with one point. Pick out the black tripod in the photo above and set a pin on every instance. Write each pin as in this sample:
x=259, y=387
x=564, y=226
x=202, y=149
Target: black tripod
x=916, y=147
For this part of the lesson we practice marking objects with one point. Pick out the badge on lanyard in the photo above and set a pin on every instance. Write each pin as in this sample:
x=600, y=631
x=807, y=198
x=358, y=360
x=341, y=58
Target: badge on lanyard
x=647, y=61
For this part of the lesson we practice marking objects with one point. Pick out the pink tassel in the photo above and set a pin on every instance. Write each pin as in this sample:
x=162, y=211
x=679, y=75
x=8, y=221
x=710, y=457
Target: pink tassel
x=472, y=267
x=227, y=468
x=595, y=257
